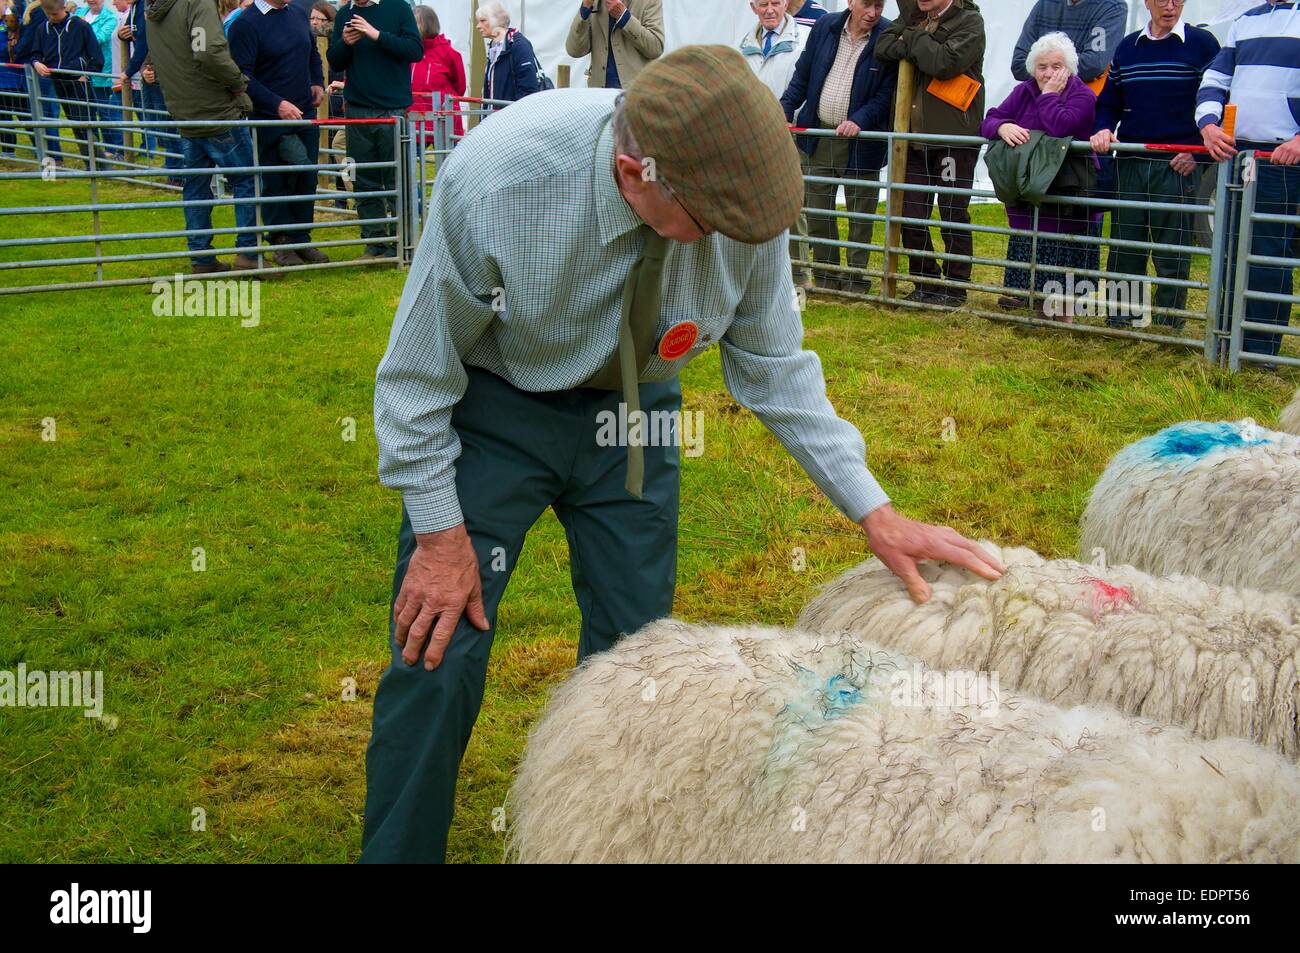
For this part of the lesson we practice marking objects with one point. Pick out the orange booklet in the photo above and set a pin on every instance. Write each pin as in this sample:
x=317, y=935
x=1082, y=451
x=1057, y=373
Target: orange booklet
x=1098, y=84
x=958, y=92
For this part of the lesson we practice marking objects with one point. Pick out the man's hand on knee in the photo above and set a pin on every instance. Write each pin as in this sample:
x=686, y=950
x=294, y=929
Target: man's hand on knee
x=441, y=583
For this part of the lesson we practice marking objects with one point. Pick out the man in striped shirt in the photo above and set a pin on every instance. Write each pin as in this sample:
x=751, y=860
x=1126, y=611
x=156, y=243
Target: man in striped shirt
x=563, y=241
x=1258, y=70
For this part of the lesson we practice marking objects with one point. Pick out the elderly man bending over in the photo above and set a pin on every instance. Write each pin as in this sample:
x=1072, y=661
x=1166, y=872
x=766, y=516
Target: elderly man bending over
x=644, y=245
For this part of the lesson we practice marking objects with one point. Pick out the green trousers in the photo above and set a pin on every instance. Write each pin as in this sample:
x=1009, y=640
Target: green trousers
x=520, y=453
x=1143, y=179
x=374, y=144
x=831, y=159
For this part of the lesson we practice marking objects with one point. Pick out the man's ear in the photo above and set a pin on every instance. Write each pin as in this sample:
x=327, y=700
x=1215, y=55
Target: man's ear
x=629, y=171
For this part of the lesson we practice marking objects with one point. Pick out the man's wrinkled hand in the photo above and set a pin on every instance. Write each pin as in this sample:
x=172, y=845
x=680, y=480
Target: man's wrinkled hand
x=900, y=543
x=442, y=583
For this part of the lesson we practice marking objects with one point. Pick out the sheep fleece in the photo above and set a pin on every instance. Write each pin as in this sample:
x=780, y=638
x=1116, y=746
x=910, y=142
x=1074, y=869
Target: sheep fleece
x=1218, y=501
x=1215, y=660
x=700, y=744
x=1289, y=419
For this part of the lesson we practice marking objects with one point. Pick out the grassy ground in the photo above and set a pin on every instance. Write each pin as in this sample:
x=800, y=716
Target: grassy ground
x=227, y=685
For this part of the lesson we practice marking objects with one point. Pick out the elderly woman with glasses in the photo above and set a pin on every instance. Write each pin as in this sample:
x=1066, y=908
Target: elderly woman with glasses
x=1055, y=101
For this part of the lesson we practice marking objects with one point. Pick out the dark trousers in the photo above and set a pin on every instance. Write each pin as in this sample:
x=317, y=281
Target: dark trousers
x=946, y=167
x=373, y=144
x=1145, y=179
x=520, y=453
x=1277, y=193
x=300, y=149
x=76, y=104
x=14, y=106
x=831, y=159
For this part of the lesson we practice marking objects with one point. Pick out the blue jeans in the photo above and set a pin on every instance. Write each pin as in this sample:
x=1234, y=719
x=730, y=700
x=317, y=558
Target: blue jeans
x=109, y=109
x=230, y=149
x=151, y=98
x=51, y=111
x=1277, y=193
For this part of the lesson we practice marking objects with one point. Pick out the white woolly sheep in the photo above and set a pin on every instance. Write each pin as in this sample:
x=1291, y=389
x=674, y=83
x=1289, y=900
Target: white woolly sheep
x=1218, y=501
x=1289, y=419
x=1215, y=660
x=693, y=744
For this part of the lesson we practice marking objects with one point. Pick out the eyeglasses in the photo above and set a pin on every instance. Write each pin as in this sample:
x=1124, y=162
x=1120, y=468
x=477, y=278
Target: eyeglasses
x=1171, y=4
x=698, y=224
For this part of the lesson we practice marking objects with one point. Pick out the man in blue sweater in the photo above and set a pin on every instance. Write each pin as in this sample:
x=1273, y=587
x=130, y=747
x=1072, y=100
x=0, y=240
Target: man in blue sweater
x=273, y=46
x=1095, y=27
x=1150, y=97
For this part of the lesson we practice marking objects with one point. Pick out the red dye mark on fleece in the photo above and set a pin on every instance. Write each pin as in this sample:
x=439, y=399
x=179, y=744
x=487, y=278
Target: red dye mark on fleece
x=1104, y=598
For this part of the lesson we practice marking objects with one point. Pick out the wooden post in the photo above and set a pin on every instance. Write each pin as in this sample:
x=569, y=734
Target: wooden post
x=898, y=173
x=477, y=66
x=128, y=137
x=323, y=112
x=562, y=76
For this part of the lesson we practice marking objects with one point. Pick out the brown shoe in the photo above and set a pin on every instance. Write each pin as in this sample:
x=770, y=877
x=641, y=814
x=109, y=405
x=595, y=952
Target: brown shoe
x=312, y=256
x=245, y=262
x=286, y=259
x=214, y=268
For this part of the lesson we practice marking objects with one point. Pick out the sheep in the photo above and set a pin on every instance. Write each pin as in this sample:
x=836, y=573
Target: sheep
x=1219, y=501
x=1289, y=420
x=685, y=744
x=1215, y=660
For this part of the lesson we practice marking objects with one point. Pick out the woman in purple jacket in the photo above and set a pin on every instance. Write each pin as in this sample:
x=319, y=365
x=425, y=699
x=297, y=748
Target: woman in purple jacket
x=1060, y=104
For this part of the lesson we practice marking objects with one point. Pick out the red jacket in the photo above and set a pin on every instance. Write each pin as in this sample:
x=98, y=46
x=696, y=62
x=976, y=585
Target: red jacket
x=441, y=71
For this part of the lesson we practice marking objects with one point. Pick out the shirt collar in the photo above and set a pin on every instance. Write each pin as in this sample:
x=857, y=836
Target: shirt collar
x=263, y=7
x=1179, y=31
x=614, y=216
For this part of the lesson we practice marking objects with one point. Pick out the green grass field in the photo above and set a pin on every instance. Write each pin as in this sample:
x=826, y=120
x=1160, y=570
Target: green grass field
x=226, y=685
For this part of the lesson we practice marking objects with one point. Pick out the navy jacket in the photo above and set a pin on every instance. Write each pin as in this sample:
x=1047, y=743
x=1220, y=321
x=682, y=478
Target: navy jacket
x=871, y=100
x=70, y=45
x=514, y=75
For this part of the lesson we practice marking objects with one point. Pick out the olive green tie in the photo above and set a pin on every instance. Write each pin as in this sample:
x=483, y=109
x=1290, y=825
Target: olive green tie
x=638, y=322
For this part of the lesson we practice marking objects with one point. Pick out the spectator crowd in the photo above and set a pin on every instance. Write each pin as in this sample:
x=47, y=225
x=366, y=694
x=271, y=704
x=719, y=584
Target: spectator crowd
x=1169, y=84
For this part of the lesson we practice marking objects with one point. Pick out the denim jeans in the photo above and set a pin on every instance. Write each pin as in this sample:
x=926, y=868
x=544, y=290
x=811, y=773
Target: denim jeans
x=232, y=148
x=151, y=98
x=51, y=111
x=13, y=106
x=1277, y=193
x=109, y=109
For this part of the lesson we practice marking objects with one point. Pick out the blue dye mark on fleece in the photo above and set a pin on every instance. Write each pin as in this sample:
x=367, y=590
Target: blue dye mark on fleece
x=840, y=694
x=826, y=701
x=1198, y=439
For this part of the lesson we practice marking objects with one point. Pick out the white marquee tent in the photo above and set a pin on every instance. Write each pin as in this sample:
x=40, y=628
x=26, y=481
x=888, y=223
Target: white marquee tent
x=546, y=22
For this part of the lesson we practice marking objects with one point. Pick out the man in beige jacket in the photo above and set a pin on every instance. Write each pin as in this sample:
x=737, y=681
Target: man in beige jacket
x=622, y=36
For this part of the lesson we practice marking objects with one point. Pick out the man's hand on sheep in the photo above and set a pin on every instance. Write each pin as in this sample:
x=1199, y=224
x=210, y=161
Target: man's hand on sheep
x=900, y=543
x=441, y=584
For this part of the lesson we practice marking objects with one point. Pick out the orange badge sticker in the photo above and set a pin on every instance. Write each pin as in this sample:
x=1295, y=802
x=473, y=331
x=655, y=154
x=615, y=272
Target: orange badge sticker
x=677, y=340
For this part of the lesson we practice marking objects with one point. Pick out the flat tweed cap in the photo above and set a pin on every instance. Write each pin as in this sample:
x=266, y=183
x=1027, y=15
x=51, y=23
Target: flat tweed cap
x=719, y=140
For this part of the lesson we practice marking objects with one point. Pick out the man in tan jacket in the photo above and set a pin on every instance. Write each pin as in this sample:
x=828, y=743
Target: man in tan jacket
x=622, y=36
